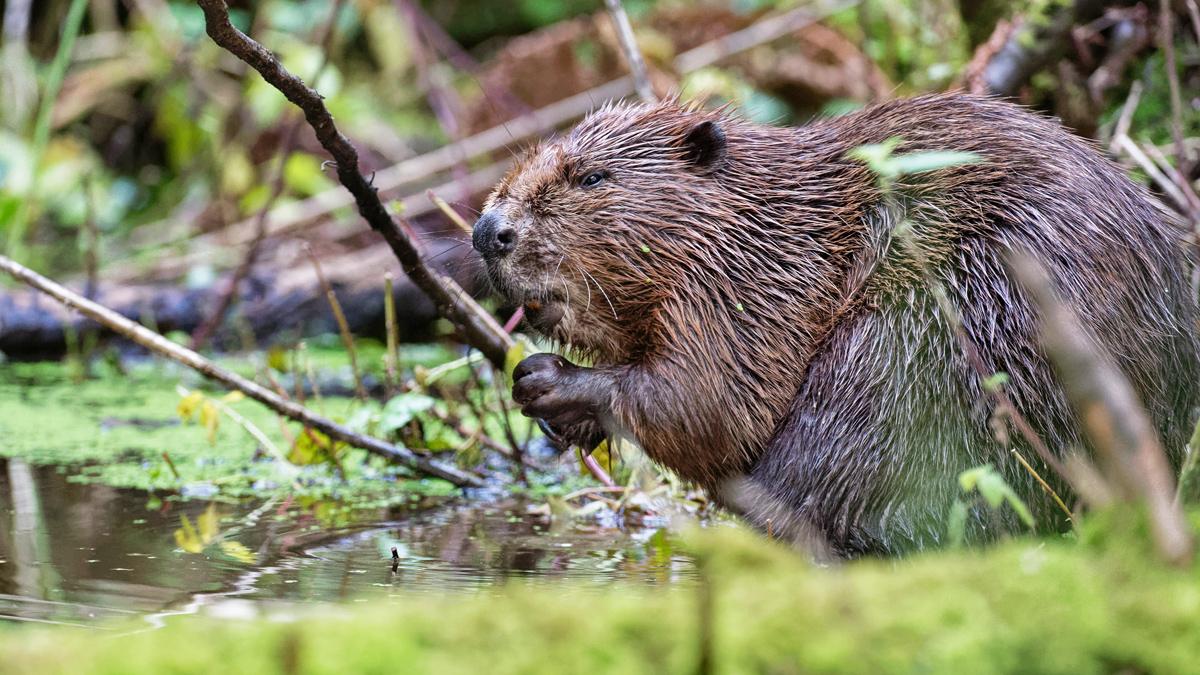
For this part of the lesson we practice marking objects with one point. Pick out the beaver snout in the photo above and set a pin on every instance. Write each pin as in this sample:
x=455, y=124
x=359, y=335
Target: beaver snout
x=493, y=237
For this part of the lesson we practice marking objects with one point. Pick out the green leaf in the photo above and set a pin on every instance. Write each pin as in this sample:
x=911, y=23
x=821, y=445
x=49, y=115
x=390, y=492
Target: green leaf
x=995, y=491
x=188, y=406
x=877, y=156
x=992, y=488
x=210, y=418
x=237, y=551
x=924, y=162
x=995, y=382
x=303, y=175
x=208, y=524
x=401, y=410
x=187, y=538
x=956, y=523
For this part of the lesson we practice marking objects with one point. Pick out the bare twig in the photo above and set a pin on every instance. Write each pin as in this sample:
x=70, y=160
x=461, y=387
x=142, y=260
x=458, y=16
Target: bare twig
x=1041, y=481
x=460, y=59
x=391, y=358
x=164, y=347
x=443, y=100
x=1127, y=111
x=342, y=324
x=478, y=327
x=1120, y=430
x=1189, y=473
x=171, y=465
x=1191, y=199
x=1194, y=12
x=16, y=22
x=1166, y=42
x=597, y=471
x=19, y=219
x=448, y=211
x=629, y=48
x=1000, y=399
x=1126, y=145
x=90, y=235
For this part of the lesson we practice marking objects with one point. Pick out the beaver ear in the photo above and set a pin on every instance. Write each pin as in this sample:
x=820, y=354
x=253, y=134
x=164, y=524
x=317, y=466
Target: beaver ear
x=704, y=147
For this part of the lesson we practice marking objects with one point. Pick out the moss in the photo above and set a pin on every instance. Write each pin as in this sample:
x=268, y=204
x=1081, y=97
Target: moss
x=1024, y=607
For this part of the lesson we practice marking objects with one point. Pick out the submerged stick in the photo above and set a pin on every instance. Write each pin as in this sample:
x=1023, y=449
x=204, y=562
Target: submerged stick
x=479, y=329
x=164, y=347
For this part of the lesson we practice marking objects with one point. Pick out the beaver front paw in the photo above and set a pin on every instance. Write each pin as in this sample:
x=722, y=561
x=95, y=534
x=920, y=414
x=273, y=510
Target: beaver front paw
x=563, y=395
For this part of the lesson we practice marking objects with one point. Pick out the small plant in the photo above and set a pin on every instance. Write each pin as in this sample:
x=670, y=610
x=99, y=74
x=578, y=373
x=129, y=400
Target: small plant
x=990, y=486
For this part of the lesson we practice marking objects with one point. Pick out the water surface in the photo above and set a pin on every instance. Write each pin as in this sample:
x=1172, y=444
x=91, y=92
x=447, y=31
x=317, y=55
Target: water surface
x=73, y=553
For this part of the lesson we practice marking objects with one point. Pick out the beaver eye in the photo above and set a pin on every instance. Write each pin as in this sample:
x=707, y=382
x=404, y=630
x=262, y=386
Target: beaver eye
x=592, y=179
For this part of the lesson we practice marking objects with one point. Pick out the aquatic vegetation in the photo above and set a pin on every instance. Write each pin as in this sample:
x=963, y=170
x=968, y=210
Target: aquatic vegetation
x=125, y=430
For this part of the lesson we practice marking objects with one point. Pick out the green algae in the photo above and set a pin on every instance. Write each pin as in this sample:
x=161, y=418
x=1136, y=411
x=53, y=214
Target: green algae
x=120, y=428
x=1024, y=607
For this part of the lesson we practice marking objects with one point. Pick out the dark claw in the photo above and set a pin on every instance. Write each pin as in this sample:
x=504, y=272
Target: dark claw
x=556, y=439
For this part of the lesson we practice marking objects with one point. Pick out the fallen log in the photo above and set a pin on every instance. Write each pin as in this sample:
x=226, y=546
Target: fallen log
x=279, y=303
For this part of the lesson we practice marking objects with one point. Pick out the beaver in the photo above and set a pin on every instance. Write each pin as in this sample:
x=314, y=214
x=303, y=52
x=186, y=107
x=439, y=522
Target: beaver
x=748, y=310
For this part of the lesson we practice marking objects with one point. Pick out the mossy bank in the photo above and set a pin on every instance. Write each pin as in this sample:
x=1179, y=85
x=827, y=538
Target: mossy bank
x=1023, y=607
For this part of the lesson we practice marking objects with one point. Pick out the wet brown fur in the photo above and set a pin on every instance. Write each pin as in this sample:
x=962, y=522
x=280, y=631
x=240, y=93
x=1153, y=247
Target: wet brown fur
x=753, y=314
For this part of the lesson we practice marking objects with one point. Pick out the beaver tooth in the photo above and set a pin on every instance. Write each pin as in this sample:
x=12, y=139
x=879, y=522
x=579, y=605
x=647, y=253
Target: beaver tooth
x=533, y=305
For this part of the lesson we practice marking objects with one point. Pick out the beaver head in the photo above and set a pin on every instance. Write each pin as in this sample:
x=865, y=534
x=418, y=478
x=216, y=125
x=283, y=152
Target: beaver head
x=578, y=229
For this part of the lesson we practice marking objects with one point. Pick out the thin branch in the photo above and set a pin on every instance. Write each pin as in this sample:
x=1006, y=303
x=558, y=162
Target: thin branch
x=479, y=329
x=460, y=59
x=1126, y=145
x=164, y=347
x=629, y=48
x=343, y=325
x=41, y=130
x=1119, y=428
x=1166, y=42
x=1194, y=12
x=391, y=357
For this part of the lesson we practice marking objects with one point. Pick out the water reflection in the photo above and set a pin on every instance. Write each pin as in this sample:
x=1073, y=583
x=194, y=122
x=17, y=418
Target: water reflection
x=72, y=553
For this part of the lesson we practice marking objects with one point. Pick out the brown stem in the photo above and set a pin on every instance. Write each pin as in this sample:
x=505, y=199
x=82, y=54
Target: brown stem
x=164, y=347
x=1119, y=428
x=478, y=327
x=629, y=48
x=342, y=324
x=1166, y=42
x=392, y=357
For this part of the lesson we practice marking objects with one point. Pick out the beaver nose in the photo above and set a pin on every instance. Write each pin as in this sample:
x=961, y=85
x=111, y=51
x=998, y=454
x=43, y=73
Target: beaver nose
x=493, y=237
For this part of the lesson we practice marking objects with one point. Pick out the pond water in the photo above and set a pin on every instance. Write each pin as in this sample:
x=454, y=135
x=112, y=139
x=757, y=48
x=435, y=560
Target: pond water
x=77, y=554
